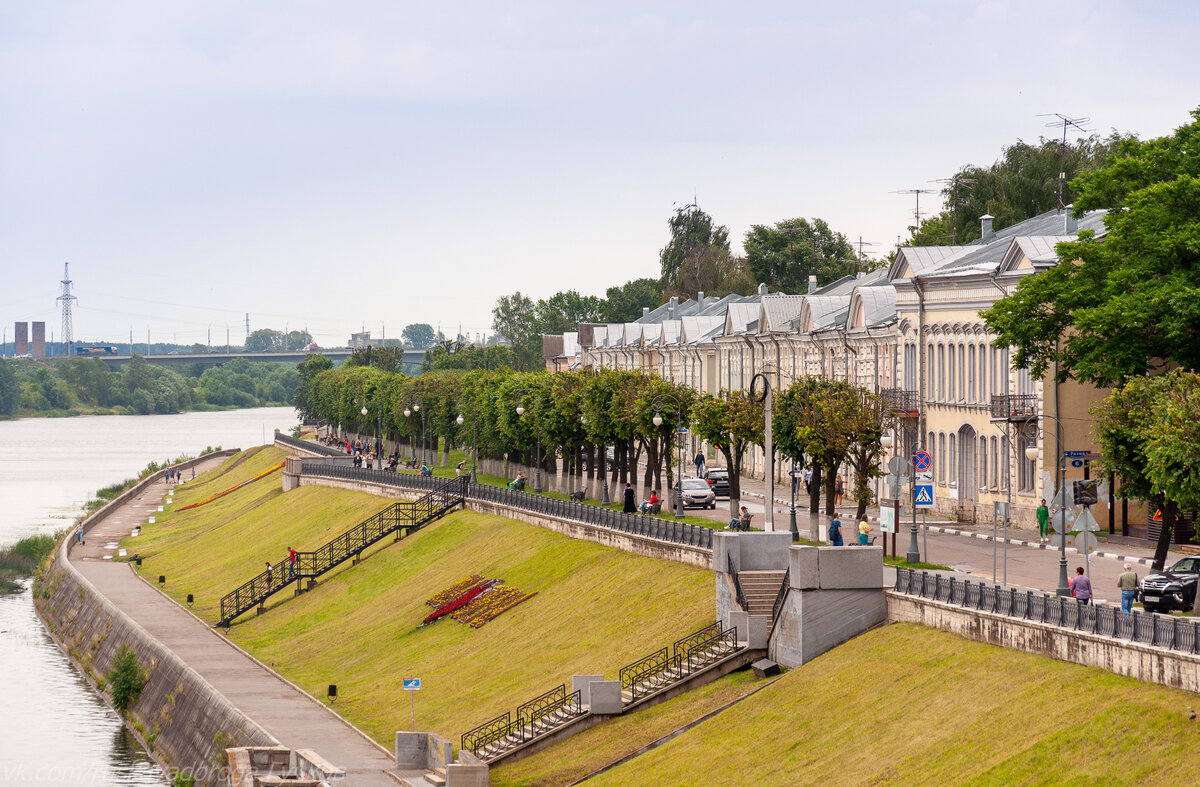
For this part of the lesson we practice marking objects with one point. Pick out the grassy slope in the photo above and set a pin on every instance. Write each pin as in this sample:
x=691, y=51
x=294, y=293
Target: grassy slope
x=596, y=608
x=910, y=705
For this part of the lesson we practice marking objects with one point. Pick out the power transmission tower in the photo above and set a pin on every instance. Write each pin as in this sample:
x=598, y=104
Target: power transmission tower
x=1066, y=123
x=954, y=183
x=66, y=299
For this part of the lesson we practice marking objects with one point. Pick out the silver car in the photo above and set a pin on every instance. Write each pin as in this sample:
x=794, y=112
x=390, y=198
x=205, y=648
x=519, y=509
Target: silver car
x=697, y=493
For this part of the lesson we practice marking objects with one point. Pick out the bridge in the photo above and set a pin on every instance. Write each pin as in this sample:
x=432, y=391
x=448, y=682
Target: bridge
x=276, y=356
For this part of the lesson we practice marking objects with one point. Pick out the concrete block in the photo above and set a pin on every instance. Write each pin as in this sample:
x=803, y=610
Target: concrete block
x=803, y=568
x=831, y=617
x=726, y=597
x=582, y=684
x=762, y=551
x=725, y=546
x=606, y=697
x=464, y=775
x=765, y=668
x=412, y=750
x=760, y=632
x=851, y=567
x=311, y=765
x=741, y=621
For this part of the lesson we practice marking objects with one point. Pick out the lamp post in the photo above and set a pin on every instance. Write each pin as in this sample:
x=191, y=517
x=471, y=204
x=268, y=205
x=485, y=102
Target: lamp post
x=887, y=441
x=604, y=499
x=378, y=428
x=678, y=430
x=1031, y=453
x=537, y=466
x=792, y=528
x=416, y=408
x=474, y=442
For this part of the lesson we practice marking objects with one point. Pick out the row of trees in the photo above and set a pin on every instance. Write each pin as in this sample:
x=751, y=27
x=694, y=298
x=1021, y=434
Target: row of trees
x=818, y=424
x=87, y=384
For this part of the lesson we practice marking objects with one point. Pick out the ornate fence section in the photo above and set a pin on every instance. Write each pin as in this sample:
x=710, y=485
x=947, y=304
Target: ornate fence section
x=402, y=519
x=666, y=666
x=540, y=715
x=311, y=446
x=598, y=516
x=1148, y=628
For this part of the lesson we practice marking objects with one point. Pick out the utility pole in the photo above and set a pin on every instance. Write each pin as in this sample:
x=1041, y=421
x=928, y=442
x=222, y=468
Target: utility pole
x=66, y=299
x=247, y=327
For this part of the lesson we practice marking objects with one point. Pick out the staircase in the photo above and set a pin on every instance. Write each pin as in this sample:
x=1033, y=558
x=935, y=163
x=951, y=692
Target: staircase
x=399, y=519
x=761, y=588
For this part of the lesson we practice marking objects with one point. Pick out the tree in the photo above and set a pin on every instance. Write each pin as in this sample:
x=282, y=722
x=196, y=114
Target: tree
x=1128, y=302
x=419, y=336
x=698, y=258
x=514, y=316
x=563, y=311
x=264, y=340
x=10, y=390
x=126, y=679
x=297, y=340
x=625, y=303
x=387, y=359
x=785, y=255
x=305, y=400
x=731, y=423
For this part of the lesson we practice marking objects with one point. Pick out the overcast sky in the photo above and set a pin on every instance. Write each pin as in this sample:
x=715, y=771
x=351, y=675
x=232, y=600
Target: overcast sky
x=335, y=165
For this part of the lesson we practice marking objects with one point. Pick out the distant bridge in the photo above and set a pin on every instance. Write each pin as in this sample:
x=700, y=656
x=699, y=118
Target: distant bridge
x=216, y=359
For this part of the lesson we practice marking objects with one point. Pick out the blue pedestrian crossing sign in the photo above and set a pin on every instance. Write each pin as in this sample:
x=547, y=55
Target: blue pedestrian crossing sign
x=924, y=496
x=412, y=684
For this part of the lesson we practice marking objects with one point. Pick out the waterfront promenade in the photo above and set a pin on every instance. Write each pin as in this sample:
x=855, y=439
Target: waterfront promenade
x=292, y=717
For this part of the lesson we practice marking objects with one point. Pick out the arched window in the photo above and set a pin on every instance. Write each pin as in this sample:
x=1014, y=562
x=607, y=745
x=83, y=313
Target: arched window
x=941, y=387
x=952, y=459
x=941, y=467
x=950, y=397
x=995, y=464
x=930, y=390
x=983, y=463
x=962, y=373
x=971, y=373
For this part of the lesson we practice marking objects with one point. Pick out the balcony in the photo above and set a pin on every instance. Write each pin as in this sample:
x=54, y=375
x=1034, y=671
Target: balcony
x=1015, y=407
x=906, y=404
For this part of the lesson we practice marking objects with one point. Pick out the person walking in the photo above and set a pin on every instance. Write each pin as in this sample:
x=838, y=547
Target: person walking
x=835, y=531
x=291, y=563
x=699, y=460
x=1043, y=520
x=1081, y=587
x=630, y=506
x=1127, y=583
x=79, y=533
x=268, y=573
x=864, y=532
x=838, y=491
x=808, y=480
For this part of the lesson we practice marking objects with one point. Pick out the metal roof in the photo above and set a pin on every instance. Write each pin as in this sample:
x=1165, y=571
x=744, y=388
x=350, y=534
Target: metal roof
x=778, y=310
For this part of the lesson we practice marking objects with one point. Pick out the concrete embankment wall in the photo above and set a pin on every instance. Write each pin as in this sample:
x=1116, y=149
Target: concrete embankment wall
x=182, y=720
x=1134, y=659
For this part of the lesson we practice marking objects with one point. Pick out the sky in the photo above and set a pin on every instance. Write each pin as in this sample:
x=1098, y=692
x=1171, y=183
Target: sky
x=372, y=164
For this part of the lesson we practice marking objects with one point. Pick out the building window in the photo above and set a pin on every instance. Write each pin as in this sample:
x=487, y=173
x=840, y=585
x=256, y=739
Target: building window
x=1006, y=454
x=971, y=373
x=941, y=387
x=1026, y=467
x=962, y=373
x=983, y=463
x=995, y=465
x=1004, y=370
x=950, y=375
x=952, y=459
x=983, y=375
x=941, y=466
x=930, y=391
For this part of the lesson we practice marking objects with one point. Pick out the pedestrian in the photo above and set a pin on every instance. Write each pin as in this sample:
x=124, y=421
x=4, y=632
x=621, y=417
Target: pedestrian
x=630, y=506
x=1127, y=582
x=79, y=532
x=460, y=468
x=1081, y=587
x=864, y=532
x=268, y=573
x=167, y=476
x=808, y=480
x=699, y=463
x=835, y=531
x=1043, y=520
x=838, y=491
x=193, y=472
x=291, y=563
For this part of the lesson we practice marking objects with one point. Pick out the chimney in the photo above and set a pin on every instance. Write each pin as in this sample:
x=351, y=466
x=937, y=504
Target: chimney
x=985, y=226
x=700, y=299
x=1070, y=223
x=645, y=312
x=812, y=284
x=762, y=289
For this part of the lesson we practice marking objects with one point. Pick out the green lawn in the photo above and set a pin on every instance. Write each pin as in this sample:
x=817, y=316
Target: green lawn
x=906, y=704
x=596, y=608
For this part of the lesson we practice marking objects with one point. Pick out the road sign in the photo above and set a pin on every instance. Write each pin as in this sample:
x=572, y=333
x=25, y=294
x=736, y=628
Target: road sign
x=1057, y=540
x=412, y=684
x=1086, y=542
x=922, y=460
x=1075, y=454
x=1076, y=463
x=683, y=430
x=898, y=466
x=1085, y=522
x=924, y=496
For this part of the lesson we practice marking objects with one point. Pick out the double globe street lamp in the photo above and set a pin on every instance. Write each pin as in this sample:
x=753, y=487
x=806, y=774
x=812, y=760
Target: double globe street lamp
x=658, y=421
x=474, y=442
x=603, y=463
x=378, y=429
x=416, y=408
x=537, y=468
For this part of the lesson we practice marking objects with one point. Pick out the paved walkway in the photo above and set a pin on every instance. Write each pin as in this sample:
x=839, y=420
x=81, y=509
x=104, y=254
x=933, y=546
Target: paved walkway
x=291, y=716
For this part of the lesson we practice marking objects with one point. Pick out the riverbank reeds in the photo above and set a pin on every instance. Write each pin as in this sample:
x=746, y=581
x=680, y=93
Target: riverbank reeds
x=22, y=559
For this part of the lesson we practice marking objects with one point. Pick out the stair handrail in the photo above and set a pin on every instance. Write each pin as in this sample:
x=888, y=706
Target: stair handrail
x=777, y=607
x=737, y=586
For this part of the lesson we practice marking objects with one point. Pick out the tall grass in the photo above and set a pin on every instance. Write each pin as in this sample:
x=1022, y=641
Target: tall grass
x=22, y=558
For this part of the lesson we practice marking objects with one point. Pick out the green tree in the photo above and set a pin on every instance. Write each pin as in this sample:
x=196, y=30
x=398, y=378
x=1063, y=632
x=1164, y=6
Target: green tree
x=786, y=254
x=297, y=340
x=387, y=359
x=625, y=303
x=563, y=311
x=1128, y=302
x=126, y=679
x=418, y=336
x=10, y=390
x=305, y=400
x=264, y=340
x=697, y=257
x=731, y=423
x=515, y=317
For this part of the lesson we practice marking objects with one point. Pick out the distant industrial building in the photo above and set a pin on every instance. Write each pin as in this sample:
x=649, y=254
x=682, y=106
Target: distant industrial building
x=21, y=339
x=39, y=340
x=360, y=340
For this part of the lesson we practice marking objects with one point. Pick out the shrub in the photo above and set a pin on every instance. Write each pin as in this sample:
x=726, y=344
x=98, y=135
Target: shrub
x=127, y=678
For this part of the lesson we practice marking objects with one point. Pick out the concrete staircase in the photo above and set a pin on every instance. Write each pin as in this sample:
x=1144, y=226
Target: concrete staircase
x=761, y=589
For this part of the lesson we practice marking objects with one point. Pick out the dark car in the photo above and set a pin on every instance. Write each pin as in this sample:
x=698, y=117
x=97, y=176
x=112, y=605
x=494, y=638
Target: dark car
x=1173, y=589
x=718, y=480
x=697, y=492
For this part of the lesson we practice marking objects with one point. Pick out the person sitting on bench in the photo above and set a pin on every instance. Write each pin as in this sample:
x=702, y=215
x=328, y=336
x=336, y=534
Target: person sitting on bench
x=518, y=483
x=653, y=505
x=742, y=523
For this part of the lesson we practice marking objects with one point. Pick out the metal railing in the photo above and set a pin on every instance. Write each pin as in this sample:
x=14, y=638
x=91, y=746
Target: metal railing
x=1014, y=407
x=1147, y=628
x=899, y=400
x=537, y=717
x=737, y=586
x=401, y=518
x=311, y=446
x=667, y=530
x=666, y=666
x=777, y=607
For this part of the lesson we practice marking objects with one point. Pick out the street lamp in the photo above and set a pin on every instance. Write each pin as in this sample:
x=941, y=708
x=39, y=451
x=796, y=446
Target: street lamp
x=378, y=429
x=887, y=441
x=537, y=467
x=474, y=442
x=416, y=408
x=658, y=420
x=1031, y=452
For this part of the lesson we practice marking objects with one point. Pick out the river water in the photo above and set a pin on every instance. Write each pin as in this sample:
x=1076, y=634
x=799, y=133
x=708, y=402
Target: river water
x=53, y=728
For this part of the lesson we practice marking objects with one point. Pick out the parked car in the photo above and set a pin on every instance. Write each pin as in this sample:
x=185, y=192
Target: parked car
x=697, y=492
x=1173, y=589
x=718, y=479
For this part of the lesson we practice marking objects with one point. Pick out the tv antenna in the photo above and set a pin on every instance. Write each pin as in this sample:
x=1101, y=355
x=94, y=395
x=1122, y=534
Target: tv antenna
x=860, y=244
x=66, y=299
x=917, y=214
x=953, y=183
x=1066, y=123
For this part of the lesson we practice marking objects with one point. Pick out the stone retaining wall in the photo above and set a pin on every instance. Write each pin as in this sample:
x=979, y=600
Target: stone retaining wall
x=184, y=723
x=1134, y=659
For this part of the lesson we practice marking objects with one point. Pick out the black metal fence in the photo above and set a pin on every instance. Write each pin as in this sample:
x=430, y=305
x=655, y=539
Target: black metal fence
x=669, y=665
x=1014, y=407
x=311, y=446
x=635, y=524
x=1148, y=628
x=536, y=717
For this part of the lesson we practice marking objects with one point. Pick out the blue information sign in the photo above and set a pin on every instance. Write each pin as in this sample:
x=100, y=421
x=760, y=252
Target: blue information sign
x=924, y=496
x=412, y=684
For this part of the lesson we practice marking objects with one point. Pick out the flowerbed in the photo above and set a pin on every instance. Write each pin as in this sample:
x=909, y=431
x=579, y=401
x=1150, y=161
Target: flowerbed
x=475, y=600
x=455, y=590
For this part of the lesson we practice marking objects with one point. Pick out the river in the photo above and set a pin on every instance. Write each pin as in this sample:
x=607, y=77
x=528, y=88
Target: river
x=53, y=728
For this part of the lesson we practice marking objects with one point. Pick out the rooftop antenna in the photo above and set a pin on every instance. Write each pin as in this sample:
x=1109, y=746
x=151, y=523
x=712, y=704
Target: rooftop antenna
x=917, y=214
x=66, y=299
x=1065, y=122
x=953, y=183
x=862, y=243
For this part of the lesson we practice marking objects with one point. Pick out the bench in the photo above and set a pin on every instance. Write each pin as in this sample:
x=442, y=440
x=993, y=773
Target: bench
x=1190, y=549
x=577, y=495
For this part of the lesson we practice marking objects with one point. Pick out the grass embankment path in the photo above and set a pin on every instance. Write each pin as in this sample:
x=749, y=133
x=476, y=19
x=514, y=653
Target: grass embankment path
x=596, y=608
x=906, y=704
